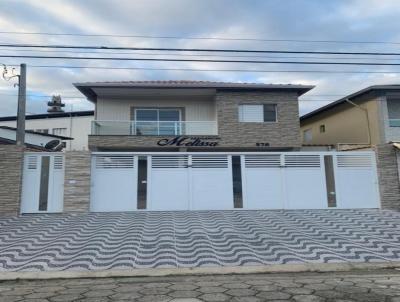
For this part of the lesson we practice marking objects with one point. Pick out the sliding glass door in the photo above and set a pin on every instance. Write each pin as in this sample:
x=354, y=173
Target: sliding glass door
x=149, y=121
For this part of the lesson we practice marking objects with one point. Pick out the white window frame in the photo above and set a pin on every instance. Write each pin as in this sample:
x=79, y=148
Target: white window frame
x=62, y=134
x=262, y=120
x=158, y=112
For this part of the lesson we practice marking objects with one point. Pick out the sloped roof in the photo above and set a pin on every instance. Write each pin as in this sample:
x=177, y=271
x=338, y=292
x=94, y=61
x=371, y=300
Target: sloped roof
x=349, y=97
x=86, y=87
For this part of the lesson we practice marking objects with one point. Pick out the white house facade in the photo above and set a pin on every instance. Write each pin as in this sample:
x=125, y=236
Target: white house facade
x=193, y=145
x=71, y=124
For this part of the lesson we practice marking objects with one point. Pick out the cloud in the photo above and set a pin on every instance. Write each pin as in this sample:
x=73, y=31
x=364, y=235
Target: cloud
x=348, y=20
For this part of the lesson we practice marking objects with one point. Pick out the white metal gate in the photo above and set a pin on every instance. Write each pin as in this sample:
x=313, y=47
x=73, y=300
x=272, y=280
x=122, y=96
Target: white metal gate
x=190, y=182
x=210, y=181
x=113, y=183
x=42, y=182
x=356, y=180
x=304, y=181
x=262, y=181
x=298, y=180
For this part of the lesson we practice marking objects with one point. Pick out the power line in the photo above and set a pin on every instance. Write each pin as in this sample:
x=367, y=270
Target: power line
x=198, y=49
x=198, y=38
x=214, y=70
x=194, y=55
x=199, y=60
x=44, y=96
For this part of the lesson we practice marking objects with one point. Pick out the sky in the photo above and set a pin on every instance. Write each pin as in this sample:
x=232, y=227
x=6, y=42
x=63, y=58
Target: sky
x=306, y=20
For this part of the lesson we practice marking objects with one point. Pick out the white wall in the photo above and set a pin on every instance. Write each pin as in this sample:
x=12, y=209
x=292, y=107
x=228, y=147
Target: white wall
x=30, y=138
x=196, y=109
x=81, y=127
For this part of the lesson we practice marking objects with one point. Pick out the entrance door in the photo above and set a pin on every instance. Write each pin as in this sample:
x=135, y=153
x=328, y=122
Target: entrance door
x=356, y=180
x=305, y=185
x=42, y=183
x=113, y=183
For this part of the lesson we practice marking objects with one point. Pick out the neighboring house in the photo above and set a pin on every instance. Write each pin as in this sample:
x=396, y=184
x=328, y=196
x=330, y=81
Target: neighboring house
x=193, y=115
x=71, y=124
x=34, y=140
x=368, y=117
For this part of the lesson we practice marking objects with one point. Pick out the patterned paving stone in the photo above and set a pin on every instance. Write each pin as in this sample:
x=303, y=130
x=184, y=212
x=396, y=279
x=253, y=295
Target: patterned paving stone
x=98, y=241
x=215, y=297
x=298, y=291
x=240, y=292
x=183, y=287
x=276, y=295
x=184, y=294
x=307, y=298
x=246, y=299
x=154, y=298
x=278, y=288
x=211, y=289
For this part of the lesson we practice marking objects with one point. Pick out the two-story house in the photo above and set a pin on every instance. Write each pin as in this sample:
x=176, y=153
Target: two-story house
x=194, y=145
x=367, y=117
x=193, y=115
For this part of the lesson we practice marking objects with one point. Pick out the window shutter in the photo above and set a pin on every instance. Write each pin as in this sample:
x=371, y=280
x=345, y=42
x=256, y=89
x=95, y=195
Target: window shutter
x=251, y=113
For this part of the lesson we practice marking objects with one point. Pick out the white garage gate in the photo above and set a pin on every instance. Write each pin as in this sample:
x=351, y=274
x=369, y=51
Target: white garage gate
x=114, y=182
x=190, y=182
x=224, y=181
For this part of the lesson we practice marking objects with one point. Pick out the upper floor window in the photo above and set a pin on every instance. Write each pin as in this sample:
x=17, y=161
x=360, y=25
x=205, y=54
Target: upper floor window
x=60, y=131
x=393, y=106
x=322, y=128
x=157, y=121
x=257, y=113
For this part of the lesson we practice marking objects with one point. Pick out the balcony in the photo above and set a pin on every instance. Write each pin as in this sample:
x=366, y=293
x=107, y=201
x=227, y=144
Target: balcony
x=154, y=128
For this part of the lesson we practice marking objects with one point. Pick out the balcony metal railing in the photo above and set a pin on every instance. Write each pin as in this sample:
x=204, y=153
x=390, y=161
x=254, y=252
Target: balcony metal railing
x=154, y=128
x=394, y=122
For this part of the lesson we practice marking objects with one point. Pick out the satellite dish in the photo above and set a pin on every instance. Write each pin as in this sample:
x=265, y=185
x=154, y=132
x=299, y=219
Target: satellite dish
x=52, y=144
x=59, y=148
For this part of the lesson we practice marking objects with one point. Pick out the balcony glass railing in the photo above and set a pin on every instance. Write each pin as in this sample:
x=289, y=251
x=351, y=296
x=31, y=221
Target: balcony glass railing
x=161, y=128
x=394, y=122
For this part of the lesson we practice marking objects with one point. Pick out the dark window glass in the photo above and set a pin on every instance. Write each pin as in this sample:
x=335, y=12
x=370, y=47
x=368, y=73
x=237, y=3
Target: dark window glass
x=237, y=183
x=269, y=113
x=142, y=183
x=169, y=122
x=44, y=183
x=146, y=122
x=330, y=181
x=322, y=128
x=169, y=115
x=146, y=115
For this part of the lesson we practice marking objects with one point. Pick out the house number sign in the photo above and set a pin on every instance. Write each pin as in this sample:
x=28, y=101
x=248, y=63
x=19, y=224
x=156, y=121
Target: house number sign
x=186, y=141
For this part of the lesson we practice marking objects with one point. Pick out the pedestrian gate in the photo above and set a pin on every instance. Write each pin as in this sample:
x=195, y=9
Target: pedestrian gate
x=42, y=182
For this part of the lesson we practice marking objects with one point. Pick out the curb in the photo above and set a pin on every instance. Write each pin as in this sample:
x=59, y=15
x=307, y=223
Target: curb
x=224, y=270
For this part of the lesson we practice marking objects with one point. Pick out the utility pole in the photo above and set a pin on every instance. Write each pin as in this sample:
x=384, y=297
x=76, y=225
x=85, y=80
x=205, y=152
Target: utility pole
x=21, y=106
